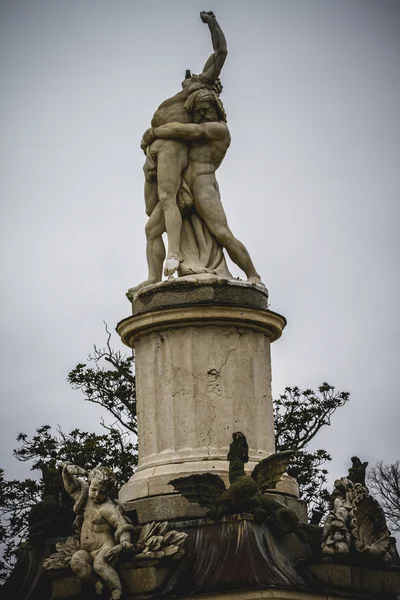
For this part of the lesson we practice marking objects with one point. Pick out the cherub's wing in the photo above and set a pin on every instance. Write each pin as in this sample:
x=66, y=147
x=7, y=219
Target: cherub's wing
x=269, y=471
x=203, y=489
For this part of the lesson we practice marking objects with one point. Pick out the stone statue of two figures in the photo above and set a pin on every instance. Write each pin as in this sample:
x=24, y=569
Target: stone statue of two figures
x=184, y=147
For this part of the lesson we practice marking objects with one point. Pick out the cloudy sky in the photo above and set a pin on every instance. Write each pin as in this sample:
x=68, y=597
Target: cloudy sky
x=310, y=185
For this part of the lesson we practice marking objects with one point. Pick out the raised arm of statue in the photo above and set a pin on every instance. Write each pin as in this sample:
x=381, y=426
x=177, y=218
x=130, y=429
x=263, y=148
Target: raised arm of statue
x=70, y=475
x=215, y=62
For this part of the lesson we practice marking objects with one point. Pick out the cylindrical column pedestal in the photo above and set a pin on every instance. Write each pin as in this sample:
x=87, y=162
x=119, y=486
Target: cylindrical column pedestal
x=203, y=371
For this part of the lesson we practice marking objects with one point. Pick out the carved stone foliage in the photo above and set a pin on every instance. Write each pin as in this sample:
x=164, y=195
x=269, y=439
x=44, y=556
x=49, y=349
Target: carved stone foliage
x=155, y=541
x=62, y=558
x=356, y=523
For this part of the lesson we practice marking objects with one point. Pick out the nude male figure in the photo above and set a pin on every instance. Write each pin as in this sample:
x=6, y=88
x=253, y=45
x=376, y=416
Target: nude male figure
x=167, y=158
x=209, y=139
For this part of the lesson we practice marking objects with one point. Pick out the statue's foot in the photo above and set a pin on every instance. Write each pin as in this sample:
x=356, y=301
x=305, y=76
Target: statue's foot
x=171, y=266
x=116, y=595
x=99, y=587
x=133, y=290
x=255, y=279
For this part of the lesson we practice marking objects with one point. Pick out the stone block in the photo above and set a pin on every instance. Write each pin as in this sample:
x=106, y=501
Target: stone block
x=297, y=505
x=142, y=578
x=168, y=507
x=66, y=586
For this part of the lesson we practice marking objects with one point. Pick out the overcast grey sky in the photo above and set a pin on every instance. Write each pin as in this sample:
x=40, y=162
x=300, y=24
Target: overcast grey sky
x=310, y=185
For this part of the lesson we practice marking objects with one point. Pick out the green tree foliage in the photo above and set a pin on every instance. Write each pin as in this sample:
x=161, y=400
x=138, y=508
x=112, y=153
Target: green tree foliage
x=16, y=500
x=299, y=415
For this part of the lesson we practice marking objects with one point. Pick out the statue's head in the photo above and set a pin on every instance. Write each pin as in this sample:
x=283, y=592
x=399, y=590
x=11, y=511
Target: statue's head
x=205, y=106
x=203, y=101
x=101, y=483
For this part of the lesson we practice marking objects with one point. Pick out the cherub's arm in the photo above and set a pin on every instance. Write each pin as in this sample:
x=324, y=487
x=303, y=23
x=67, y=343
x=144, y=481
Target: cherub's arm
x=113, y=513
x=215, y=62
x=71, y=482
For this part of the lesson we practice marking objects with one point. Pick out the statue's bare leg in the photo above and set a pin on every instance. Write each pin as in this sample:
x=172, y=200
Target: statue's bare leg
x=150, y=196
x=172, y=159
x=81, y=564
x=108, y=574
x=209, y=207
x=155, y=250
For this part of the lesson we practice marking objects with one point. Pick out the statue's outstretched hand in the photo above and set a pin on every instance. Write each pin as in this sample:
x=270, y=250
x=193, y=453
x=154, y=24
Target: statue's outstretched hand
x=112, y=554
x=73, y=469
x=207, y=16
x=126, y=546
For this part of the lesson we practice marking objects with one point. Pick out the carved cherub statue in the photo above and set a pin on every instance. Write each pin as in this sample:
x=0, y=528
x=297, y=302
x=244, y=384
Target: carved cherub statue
x=105, y=532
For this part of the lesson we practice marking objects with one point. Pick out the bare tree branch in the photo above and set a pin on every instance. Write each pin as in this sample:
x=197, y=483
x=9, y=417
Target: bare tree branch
x=384, y=481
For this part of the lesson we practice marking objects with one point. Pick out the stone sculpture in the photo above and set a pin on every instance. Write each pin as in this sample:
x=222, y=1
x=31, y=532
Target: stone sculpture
x=184, y=147
x=155, y=541
x=245, y=494
x=105, y=529
x=356, y=523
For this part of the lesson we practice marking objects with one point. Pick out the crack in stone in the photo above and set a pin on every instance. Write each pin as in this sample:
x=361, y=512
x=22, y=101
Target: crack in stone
x=230, y=352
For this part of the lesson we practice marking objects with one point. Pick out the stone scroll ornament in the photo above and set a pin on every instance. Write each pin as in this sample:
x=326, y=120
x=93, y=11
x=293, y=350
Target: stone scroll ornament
x=356, y=523
x=246, y=492
x=105, y=532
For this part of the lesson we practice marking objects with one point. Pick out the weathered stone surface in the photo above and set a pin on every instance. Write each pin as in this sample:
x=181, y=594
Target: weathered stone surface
x=65, y=587
x=165, y=507
x=203, y=371
x=142, y=578
x=295, y=504
x=288, y=485
x=378, y=582
x=209, y=290
x=269, y=595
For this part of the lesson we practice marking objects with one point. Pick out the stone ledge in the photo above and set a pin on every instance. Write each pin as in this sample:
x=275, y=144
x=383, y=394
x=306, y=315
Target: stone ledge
x=173, y=507
x=209, y=291
x=265, y=321
x=380, y=581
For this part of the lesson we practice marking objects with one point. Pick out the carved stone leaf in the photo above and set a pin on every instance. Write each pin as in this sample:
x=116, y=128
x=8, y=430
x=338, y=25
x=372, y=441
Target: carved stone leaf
x=269, y=471
x=62, y=558
x=155, y=542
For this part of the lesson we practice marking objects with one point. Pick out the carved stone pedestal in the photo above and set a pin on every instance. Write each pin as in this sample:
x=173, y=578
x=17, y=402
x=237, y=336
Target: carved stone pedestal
x=235, y=558
x=203, y=371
